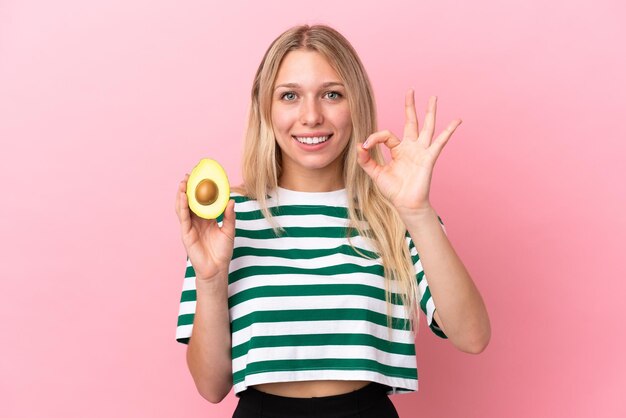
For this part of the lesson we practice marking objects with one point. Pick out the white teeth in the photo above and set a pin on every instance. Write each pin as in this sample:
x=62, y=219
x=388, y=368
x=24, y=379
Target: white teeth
x=312, y=140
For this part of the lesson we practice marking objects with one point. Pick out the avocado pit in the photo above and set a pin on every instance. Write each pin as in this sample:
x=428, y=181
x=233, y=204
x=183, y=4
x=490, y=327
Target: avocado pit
x=207, y=192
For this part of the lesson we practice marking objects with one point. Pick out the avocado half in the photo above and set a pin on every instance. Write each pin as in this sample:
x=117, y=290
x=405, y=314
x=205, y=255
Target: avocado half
x=208, y=191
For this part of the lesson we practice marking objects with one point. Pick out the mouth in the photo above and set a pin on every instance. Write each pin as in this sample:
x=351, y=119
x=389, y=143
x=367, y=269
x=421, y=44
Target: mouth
x=312, y=140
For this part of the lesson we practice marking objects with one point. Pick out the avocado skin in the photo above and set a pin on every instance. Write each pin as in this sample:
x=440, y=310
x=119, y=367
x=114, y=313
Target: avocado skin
x=210, y=169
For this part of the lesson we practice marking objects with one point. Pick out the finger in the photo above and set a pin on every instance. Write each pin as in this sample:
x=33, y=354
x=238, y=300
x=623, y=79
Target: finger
x=228, y=226
x=369, y=165
x=182, y=186
x=429, y=121
x=443, y=137
x=185, y=215
x=381, y=137
x=411, y=130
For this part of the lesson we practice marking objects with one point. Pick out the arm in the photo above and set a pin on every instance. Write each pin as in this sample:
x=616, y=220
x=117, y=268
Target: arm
x=209, y=350
x=460, y=308
x=405, y=181
x=209, y=246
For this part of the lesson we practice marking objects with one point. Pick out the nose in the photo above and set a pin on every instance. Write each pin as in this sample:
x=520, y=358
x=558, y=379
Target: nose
x=311, y=112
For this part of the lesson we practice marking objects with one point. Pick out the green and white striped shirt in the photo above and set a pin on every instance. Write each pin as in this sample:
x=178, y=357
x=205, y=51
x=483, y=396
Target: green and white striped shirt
x=304, y=305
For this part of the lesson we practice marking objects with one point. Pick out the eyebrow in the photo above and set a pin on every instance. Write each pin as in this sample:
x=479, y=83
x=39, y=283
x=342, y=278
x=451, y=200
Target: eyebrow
x=296, y=85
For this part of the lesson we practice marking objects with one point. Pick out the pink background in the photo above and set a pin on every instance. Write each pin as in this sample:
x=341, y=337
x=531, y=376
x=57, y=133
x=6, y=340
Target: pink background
x=104, y=108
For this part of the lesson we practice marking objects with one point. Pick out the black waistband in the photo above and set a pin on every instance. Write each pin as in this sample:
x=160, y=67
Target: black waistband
x=316, y=406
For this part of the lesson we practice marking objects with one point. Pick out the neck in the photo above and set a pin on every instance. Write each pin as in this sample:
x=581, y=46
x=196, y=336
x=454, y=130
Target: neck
x=311, y=181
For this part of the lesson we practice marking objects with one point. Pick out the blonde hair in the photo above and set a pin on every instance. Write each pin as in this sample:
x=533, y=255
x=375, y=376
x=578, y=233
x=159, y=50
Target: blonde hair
x=262, y=157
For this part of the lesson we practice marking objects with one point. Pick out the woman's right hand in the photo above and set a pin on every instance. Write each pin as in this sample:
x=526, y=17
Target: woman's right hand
x=208, y=246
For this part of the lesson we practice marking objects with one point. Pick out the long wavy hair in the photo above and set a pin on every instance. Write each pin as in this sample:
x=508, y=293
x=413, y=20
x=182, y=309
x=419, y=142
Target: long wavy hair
x=262, y=162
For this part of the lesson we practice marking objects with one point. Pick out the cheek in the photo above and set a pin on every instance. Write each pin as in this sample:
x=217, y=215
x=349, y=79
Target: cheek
x=282, y=120
x=344, y=119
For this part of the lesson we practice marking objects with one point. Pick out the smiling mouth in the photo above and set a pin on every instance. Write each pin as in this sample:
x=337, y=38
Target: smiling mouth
x=312, y=140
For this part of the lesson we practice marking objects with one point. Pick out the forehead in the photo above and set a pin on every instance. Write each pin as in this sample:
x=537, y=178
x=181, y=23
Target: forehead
x=305, y=67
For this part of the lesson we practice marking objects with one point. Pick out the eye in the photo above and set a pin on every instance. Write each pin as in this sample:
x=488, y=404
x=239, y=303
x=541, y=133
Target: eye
x=335, y=95
x=289, y=96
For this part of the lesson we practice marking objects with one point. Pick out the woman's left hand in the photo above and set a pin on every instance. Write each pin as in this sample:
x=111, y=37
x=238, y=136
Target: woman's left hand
x=405, y=180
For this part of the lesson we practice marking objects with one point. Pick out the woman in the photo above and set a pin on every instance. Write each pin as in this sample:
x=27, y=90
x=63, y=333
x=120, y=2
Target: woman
x=309, y=307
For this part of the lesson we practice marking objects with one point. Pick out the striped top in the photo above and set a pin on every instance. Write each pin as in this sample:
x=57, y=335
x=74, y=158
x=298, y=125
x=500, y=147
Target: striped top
x=304, y=305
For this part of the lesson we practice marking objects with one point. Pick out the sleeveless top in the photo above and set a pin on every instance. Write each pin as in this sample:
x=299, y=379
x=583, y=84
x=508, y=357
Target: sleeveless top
x=304, y=305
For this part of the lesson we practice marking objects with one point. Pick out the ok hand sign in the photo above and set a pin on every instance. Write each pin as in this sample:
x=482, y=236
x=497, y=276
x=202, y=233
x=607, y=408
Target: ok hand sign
x=405, y=180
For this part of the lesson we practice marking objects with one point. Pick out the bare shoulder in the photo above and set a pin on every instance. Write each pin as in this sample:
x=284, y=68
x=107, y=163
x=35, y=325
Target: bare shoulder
x=239, y=189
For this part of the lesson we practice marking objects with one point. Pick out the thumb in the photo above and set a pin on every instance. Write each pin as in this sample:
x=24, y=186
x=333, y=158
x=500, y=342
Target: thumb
x=228, y=226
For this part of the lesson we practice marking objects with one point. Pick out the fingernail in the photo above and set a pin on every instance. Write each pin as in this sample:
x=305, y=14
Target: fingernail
x=366, y=143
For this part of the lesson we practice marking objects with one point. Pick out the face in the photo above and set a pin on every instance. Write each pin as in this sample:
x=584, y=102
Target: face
x=311, y=117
